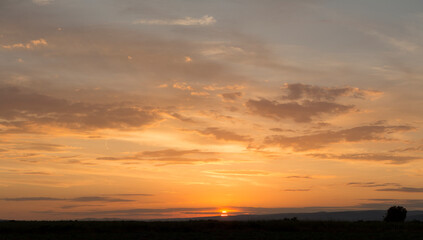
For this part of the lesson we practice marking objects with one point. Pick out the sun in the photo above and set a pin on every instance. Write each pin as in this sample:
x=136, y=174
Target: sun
x=224, y=213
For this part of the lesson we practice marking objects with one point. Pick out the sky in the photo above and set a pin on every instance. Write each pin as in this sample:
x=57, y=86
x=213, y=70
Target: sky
x=180, y=108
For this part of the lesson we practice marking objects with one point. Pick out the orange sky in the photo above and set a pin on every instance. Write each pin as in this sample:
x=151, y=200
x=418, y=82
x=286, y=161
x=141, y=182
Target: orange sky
x=158, y=109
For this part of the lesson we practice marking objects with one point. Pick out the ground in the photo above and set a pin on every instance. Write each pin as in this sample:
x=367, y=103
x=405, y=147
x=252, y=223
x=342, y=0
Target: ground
x=281, y=229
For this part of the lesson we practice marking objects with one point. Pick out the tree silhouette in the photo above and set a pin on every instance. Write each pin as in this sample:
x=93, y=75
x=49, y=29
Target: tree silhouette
x=396, y=214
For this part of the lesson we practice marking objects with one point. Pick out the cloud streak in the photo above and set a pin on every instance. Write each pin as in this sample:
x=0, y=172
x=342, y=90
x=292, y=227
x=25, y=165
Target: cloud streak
x=231, y=96
x=241, y=172
x=27, y=199
x=304, y=102
x=29, y=45
x=371, y=184
x=402, y=189
x=299, y=177
x=168, y=156
x=377, y=157
x=77, y=199
x=296, y=91
x=21, y=108
x=297, y=190
x=300, y=112
x=187, y=21
x=38, y=146
x=42, y=2
x=221, y=134
x=356, y=134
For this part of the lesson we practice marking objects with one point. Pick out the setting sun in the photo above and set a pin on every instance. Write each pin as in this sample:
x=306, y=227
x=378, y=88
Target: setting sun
x=224, y=213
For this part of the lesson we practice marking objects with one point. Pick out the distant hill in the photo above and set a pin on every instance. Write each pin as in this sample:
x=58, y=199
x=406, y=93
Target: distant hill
x=418, y=216
x=104, y=219
x=369, y=215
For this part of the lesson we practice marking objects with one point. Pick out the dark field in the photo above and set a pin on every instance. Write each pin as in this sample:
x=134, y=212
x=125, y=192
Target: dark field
x=209, y=229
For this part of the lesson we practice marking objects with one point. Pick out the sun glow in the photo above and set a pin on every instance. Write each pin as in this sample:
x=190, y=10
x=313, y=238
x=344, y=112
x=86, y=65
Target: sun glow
x=224, y=213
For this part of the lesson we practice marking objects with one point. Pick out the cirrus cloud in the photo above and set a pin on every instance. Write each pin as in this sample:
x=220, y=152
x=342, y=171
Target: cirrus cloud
x=29, y=45
x=377, y=157
x=77, y=199
x=19, y=108
x=231, y=96
x=42, y=2
x=402, y=189
x=221, y=134
x=167, y=156
x=299, y=112
x=322, y=139
x=186, y=21
x=297, y=91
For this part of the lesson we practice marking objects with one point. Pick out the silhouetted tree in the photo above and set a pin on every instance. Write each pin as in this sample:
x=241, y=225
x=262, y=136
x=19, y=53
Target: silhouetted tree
x=396, y=214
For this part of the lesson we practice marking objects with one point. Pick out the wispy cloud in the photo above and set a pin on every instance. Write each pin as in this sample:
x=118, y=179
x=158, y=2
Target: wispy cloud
x=78, y=206
x=25, y=199
x=99, y=199
x=371, y=184
x=215, y=87
x=200, y=93
x=167, y=156
x=29, y=45
x=297, y=190
x=222, y=134
x=299, y=177
x=356, y=134
x=377, y=157
x=231, y=96
x=187, y=21
x=303, y=102
x=132, y=194
x=409, y=149
x=77, y=199
x=42, y=2
x=33, y=109
x=241, y=172
x=182, y=86
x=297, y=91
x=36, y=173
x=38, y=146
x=300, y=112
x=395, y=42
x=402, y=189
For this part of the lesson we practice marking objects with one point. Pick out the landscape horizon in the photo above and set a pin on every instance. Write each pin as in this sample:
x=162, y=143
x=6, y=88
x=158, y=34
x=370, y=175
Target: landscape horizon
x=335, y=215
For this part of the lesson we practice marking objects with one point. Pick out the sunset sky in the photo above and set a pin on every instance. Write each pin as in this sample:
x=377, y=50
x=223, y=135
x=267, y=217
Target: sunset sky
x=181, y=108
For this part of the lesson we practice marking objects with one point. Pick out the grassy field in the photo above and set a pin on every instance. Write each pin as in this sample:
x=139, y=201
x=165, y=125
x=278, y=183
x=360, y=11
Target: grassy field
x=280, y=229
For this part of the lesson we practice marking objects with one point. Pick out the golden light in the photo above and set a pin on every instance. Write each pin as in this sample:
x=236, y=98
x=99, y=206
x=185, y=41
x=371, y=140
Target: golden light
x=224, y=213
x=188, y=59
